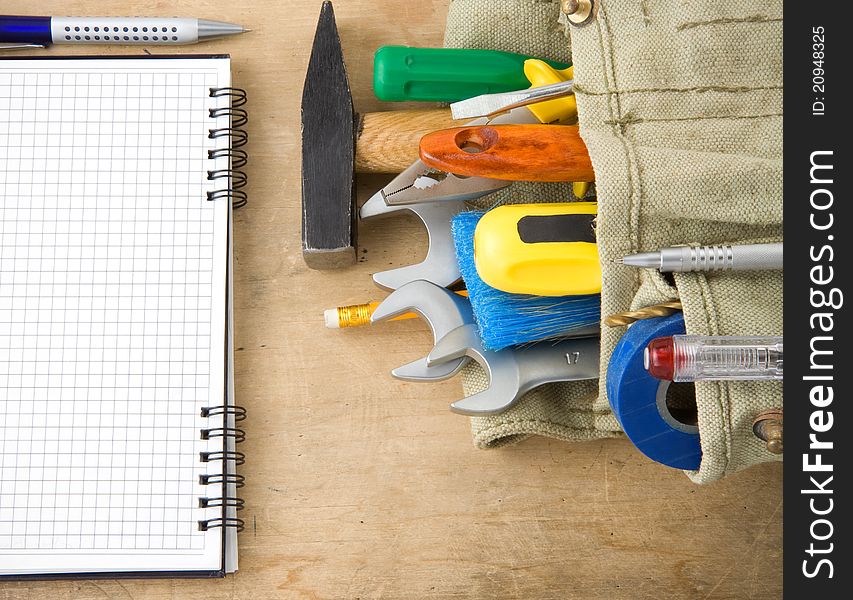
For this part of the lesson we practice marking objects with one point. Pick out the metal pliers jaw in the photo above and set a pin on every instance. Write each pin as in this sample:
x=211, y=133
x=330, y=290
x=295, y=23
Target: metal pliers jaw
x=442, y=311
x=420, y=183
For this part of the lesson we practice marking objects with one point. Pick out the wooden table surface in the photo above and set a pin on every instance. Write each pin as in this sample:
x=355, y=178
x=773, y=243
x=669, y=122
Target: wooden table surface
x=360, y=486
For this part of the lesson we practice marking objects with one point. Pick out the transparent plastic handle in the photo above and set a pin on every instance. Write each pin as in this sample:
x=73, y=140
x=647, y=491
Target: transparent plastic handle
x=698, y=357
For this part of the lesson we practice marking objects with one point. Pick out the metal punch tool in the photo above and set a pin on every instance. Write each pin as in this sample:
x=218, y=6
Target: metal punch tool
x=421, y=184
x=439, y=266
x=442, y=310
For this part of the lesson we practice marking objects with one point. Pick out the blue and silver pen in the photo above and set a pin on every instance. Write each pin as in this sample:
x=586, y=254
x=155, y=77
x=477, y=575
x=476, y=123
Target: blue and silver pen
x=33, y=32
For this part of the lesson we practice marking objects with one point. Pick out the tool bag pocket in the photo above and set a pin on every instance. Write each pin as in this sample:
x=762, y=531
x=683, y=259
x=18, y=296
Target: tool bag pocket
x=680, y=106
x=727, y=303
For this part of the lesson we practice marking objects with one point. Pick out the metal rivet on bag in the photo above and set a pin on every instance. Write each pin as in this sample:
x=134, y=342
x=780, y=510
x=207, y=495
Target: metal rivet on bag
x=579, y=12
x=767, y=426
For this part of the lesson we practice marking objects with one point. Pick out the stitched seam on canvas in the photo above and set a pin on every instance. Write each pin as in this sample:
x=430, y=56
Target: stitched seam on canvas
x=632, y=120
x=701, y=89
x=728, y=21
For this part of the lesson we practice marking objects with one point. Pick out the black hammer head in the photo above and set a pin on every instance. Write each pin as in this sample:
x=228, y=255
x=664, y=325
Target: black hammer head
x=328, y=153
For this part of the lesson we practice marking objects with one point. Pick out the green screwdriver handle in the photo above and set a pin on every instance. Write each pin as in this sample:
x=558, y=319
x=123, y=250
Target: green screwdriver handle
x=402, y=74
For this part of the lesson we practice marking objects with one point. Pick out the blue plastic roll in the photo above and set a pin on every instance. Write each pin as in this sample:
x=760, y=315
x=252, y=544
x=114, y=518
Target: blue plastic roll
x=639, y=400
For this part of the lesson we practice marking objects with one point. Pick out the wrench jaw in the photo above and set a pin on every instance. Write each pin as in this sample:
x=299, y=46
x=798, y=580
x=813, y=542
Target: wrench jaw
x=462, y=341
x=484, y=404
x=501, y=369
x=441, y=309
x=514, y=372
x=435, y=272
x=397, y=303
x=439, y=266
x=418, y=371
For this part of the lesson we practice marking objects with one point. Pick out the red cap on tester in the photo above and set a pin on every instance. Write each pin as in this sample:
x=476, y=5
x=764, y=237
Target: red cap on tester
x=659, y=358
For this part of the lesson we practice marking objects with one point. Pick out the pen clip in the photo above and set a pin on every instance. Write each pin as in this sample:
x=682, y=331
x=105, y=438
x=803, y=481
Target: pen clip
x=21, y=46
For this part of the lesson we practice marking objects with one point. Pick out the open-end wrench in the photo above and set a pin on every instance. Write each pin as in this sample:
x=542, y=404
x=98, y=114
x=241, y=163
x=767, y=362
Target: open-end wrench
x=514, y=372
x=439, y=266
x=442, y=310
x=511, y=372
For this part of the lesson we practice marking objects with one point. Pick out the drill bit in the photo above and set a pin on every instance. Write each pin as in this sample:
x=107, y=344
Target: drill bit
x=664, y=309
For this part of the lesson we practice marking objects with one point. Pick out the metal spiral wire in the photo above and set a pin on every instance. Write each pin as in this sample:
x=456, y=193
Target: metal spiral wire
x=237, y=137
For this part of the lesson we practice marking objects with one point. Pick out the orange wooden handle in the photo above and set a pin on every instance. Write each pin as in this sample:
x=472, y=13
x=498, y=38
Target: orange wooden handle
x=510, y=152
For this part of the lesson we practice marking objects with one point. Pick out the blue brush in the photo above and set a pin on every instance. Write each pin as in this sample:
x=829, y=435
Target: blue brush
x=513, y=319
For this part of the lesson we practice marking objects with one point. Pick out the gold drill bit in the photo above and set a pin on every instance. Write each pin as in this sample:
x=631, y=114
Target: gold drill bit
x=664, y=309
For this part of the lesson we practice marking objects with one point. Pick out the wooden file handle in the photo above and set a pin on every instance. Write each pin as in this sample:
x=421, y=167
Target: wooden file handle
x=510, y=152
x=387, y=142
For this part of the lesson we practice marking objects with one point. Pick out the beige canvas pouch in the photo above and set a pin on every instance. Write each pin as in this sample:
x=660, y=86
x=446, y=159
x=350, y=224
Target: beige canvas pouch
x=680, y=105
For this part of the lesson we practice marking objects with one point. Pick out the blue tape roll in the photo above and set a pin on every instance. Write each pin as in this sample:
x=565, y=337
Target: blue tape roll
x=639, y=400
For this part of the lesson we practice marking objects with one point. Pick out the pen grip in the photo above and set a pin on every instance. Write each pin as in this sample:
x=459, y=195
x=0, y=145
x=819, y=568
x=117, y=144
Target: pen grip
x=757, y=257
x=124, y=30
x=751, y=257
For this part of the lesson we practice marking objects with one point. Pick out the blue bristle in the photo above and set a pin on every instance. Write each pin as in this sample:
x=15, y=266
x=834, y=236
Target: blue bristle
x=513, y=319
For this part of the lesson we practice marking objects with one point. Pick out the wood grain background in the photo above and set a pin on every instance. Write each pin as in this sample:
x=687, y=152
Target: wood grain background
x=360, y=486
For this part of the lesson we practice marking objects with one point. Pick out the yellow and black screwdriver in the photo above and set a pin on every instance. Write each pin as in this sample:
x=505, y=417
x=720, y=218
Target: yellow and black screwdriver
x=539, y=249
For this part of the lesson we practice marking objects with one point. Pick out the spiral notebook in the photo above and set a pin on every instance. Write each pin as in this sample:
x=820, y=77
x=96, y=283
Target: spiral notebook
x=117, y=422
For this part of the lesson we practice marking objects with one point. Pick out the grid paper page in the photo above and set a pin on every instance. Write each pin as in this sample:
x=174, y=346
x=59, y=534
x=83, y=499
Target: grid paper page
x=112, y=313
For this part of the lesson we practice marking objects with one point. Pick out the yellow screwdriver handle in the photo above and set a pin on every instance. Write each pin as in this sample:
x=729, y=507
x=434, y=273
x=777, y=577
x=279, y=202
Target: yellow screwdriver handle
x=560, y=110
x=539, y=249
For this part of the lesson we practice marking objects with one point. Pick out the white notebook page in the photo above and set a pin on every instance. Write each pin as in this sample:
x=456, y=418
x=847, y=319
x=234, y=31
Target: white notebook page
x=112, y=313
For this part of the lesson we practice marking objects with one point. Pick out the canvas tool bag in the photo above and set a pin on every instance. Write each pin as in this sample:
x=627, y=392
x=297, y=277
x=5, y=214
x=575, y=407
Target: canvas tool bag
x=680, y=105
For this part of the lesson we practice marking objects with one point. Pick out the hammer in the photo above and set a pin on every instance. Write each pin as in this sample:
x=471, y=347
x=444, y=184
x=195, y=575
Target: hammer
x=337, y=143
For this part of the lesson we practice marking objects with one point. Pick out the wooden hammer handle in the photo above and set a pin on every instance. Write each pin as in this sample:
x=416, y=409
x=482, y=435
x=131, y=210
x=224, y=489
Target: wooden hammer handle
x=387, y=142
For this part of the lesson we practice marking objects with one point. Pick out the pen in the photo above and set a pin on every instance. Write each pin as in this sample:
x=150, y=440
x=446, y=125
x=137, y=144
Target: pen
x=32, y=32
x=681, y=259
x=698, y=357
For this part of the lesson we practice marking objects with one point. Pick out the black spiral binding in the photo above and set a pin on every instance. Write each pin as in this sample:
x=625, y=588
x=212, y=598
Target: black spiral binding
x=237, y=137
x=226, y=478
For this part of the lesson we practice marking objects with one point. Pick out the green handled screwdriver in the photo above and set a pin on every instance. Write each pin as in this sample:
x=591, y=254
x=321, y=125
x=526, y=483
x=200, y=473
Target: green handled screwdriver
x=403, y=74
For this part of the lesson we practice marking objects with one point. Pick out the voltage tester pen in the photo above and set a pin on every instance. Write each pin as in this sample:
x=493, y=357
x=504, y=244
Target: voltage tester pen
x=698, y=357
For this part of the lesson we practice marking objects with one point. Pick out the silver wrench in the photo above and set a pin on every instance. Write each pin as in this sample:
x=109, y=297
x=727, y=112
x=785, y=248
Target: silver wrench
x=439, y=266
x=442, y=311
x=514, y=372
x=511, y=372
